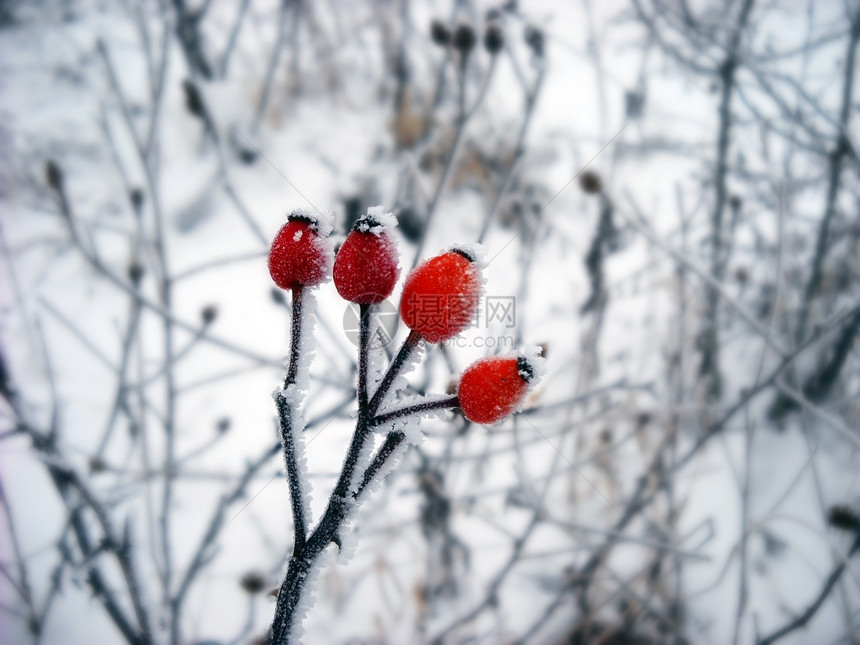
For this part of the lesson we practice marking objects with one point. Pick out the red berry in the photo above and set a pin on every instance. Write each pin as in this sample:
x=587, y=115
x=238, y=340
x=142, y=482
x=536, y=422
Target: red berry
x=366, y=268
x=300, y=255
x=492, y=388
x=440, y=297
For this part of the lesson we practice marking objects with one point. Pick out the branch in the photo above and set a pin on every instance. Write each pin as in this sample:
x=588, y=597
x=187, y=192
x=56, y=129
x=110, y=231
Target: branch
x=806, y=616
x=418, y=408
x=231, y=40
x=837, y=156
x=710, y=364
x=273, y=63
x=409, y=345
x=286, y=404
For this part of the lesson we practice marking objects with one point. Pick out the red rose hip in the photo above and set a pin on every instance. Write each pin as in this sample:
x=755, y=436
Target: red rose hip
x=440, y=296
x=300, y=255
x=492, y=388
x=366, y=268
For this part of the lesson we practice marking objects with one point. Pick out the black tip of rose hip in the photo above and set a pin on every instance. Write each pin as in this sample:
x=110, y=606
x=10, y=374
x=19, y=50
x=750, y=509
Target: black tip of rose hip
x=367, y=222
x=844, y=517
x=439, y=33
x=466, y=253
x=53, y=174
x=223, y=425
x=493, y=38
x=535, y=41
x=300, y=215
x=208, y=314
x=463, y=39
x=526, y=369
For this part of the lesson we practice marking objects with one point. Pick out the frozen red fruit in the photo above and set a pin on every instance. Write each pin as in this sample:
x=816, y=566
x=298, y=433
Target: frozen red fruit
x=440, y=296
x=300, y=255
x=366, y=268
x=492, y=388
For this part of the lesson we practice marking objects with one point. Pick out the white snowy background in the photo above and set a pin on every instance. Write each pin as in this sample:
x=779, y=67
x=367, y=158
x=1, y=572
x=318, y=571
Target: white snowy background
x=480, y=534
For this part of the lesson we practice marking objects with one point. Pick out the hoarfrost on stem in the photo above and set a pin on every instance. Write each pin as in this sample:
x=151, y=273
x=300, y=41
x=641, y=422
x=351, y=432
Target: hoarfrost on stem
x=410, y=425
x=308, y=345
x=293, y=397
x=375, y=483
x=400, y=381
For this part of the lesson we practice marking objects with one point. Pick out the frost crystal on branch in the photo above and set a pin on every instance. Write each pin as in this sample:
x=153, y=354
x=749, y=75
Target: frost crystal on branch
x=300, y=479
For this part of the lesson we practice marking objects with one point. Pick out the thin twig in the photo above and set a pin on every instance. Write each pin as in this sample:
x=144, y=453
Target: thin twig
x=275, y=56
x=837, y=157
x=807, y=615
x=231, y=40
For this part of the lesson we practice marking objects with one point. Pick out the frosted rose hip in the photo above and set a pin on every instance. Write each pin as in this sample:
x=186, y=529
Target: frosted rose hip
x=366, y=267
x=492, y=388
x=300, y=256
x=440, y=297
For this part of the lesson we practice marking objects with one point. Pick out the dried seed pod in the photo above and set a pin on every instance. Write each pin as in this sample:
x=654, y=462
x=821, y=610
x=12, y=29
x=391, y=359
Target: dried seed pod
x=135, y=273
x=439, y=33
x=135, y=196
x=493, y=38
x=253, y=582
x=463, y=39
x=208, y=314
x=535, y=40
x=844, y=517
x=53, y=175
x=590, y=182
x=193, y=99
